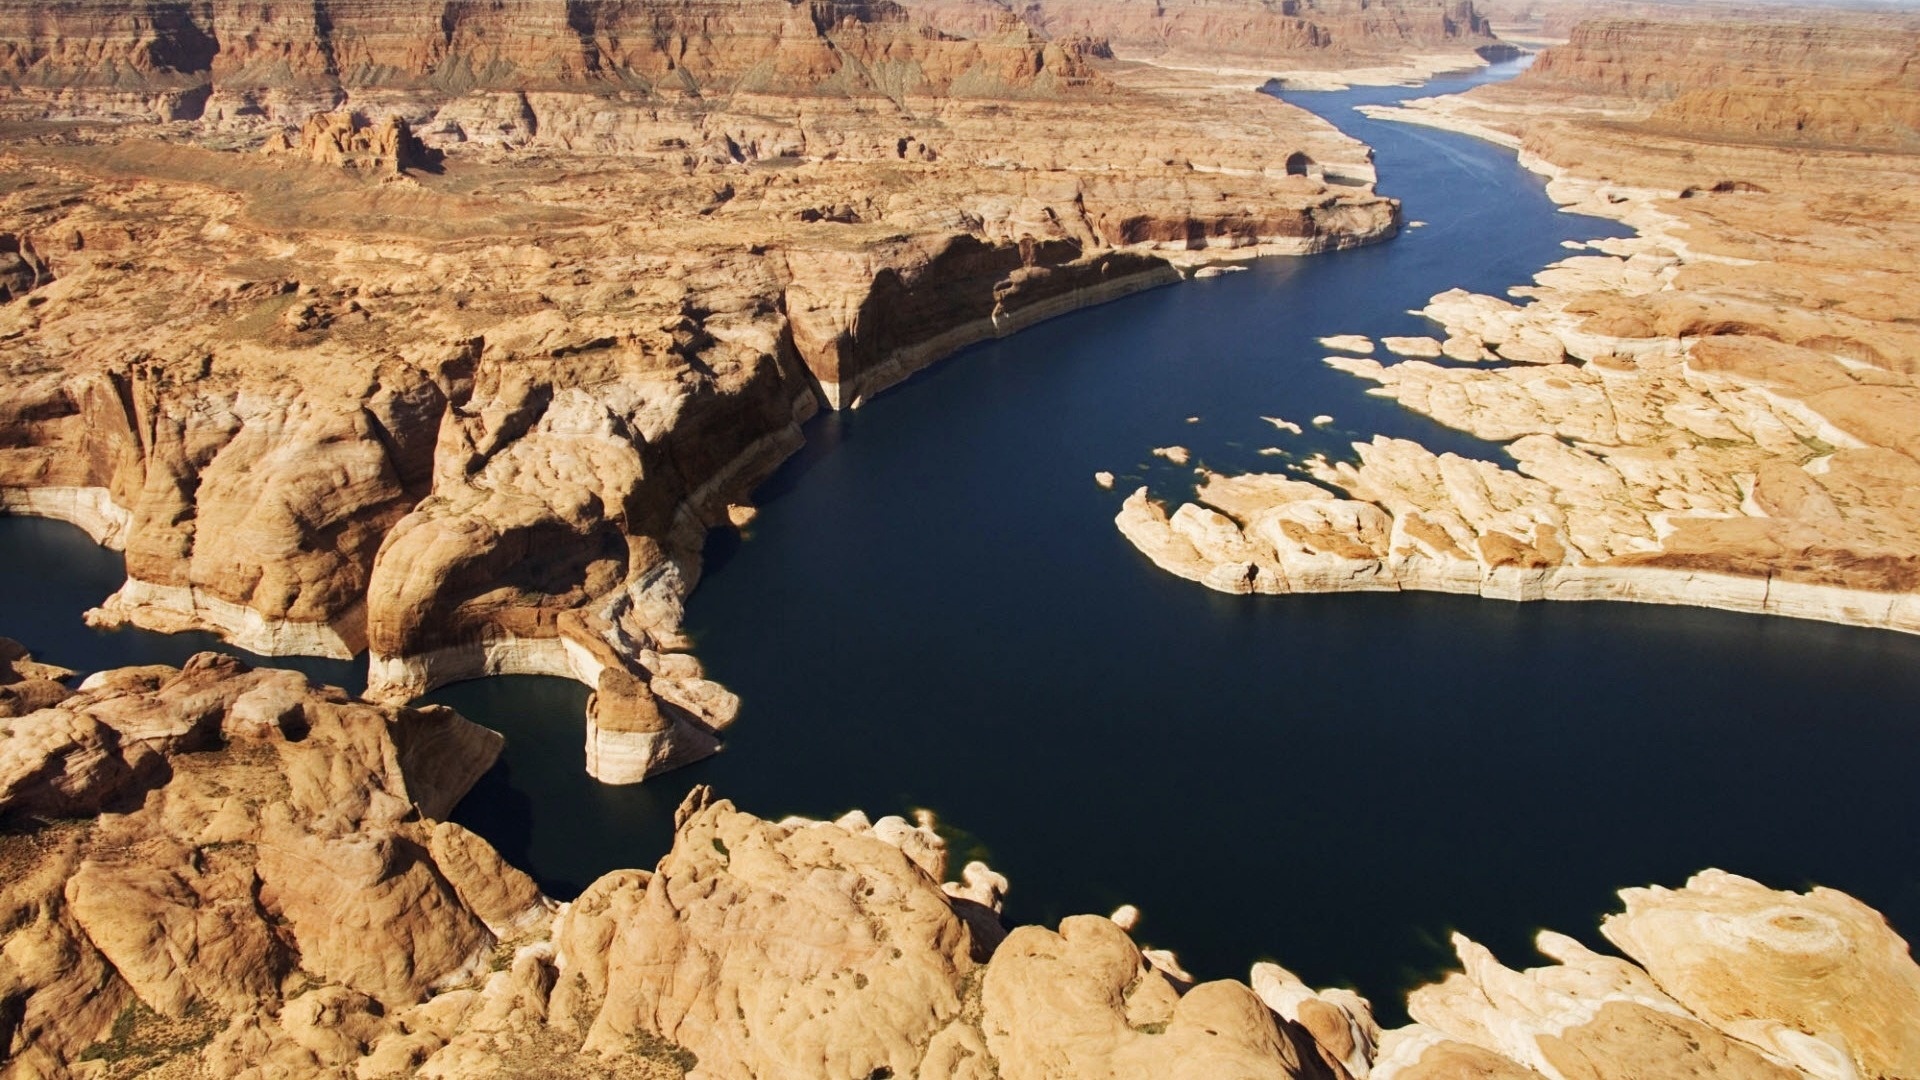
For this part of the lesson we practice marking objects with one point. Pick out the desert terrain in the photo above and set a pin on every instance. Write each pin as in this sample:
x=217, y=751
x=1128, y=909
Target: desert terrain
x=1718, y=411
x=446, y=334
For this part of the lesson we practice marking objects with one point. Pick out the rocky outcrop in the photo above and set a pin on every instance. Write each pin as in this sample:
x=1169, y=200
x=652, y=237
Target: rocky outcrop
x=220, y=835
x=475, y=417
x=22, y=270
x=1714, y=412
x=270, y=896
x=347, y=141
x=1816, y=980
x=26, y=685
x=1825, y=989
x=1313, y=33
x=1843, y=82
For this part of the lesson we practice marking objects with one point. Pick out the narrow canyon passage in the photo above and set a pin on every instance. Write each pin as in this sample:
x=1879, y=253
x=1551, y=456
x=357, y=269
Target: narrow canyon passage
x=934, y=610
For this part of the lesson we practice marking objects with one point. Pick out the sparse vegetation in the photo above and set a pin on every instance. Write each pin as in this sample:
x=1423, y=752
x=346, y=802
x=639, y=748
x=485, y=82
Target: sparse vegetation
x=665, y=1051
x=142, y=1039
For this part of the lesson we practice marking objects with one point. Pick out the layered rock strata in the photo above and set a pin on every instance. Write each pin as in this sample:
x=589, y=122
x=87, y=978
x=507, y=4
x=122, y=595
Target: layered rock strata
x=1847, y=82
x=1720, y=411
x=231, y=60
x=217, y=871
x=1213, y=33
x=236, y=61
x=516, y=307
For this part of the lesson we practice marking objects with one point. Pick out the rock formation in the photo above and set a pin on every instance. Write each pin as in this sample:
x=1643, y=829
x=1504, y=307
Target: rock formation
x=350, y=142
x=221, y=871
x=230, y=60
x=188, y=846
x=473, y=415
x=488, y=70
x=1719, y=411
x=1842, y=82
x=1311, y=33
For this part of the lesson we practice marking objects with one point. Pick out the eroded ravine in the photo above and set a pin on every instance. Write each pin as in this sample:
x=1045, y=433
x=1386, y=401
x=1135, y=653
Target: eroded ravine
x=933, y=610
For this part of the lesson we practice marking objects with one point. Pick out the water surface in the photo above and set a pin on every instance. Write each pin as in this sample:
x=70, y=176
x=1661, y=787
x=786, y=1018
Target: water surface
x=934, y=610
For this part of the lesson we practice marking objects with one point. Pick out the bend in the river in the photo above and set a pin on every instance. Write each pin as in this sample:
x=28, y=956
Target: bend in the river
x=934, y=610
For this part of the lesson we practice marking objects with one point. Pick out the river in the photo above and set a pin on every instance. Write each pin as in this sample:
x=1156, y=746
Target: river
x=935, y=610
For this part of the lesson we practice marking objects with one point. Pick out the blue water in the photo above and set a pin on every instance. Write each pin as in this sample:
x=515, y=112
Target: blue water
x=934, y=610
x=51, y=573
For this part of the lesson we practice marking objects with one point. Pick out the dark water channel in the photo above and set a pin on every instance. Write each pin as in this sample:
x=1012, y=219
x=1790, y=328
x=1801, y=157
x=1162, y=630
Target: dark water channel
x=934, y=610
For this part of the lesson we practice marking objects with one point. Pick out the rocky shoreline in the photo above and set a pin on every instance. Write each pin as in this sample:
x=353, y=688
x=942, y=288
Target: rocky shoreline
x=220, y=871
x=1692, y=424
x=480, y=421
x=461, y=374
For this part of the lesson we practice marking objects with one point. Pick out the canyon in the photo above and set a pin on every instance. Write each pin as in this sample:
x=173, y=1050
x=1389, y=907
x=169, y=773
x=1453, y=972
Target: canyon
x=1718, y=411
x=240, y=874
x=450, y=342
x=449, y=339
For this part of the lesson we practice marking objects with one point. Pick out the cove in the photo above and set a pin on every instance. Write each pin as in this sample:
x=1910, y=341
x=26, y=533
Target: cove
x=934, y=610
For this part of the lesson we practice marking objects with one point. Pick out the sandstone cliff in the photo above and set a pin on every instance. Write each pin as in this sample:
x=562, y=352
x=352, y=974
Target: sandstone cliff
x=234, y=60
x=518, y=304
x=1847, y=83
x=1309, y=33
x=217, y=871
x=1720, y=411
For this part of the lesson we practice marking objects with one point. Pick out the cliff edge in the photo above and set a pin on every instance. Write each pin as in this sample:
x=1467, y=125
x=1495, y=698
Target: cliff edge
x=447, y=336
x=218, y=871
x=1720, y=411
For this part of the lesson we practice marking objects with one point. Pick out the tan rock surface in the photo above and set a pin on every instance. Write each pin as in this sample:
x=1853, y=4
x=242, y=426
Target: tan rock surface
x=1340, y=1021
x=1083, y=1002
x=765, y=950
x=474, y=417
x=275, y=904
x=1718, y=411
x=264, y=832
x=1735, y=980
x=1817, y=979
x=1589, y=1015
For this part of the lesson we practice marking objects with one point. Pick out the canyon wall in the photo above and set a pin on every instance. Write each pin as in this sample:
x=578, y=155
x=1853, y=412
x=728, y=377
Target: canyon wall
x=447, y=339
x=1850, y=83
x=1305, y=33
x=1720, y=411
x=218, y=871
x=1341, y=29
x=238, y=59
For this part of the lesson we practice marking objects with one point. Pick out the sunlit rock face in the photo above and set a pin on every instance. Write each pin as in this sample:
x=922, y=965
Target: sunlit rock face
x=1720, y=411
x=446, y=334
x=247, y=878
